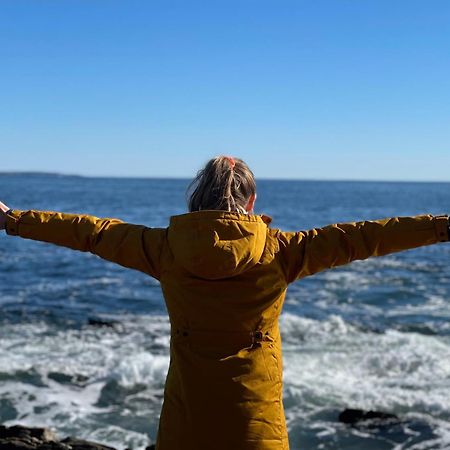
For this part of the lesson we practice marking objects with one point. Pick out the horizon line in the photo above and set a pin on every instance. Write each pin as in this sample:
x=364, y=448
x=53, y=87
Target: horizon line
x=159, y=177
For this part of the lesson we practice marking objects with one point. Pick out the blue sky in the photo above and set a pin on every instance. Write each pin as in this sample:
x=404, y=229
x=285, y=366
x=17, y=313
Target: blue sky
x=323, y=89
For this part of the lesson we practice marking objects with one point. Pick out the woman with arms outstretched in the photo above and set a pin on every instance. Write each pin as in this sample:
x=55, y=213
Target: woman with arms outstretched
x=224, y=273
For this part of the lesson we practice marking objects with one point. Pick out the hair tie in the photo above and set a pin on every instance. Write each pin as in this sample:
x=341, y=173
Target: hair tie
x=231, y=161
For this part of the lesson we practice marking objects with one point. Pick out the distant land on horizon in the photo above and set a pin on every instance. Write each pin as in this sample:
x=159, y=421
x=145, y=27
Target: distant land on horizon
x=37, y=173
x=343, y=180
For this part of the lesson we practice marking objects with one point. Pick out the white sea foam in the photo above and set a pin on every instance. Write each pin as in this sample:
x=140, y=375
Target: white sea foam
x=332, y=363
x=141, y=368
x=136, y=353
x=335, y=354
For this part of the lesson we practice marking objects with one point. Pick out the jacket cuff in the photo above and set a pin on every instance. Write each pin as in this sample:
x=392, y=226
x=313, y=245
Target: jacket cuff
x=12, y=222
x=441, y=225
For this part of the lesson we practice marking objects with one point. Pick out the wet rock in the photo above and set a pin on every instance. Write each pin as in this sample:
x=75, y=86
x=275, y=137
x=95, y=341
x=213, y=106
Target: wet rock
x=150, y=447
x=79, y=444
x=94, y=322
x=24, y=438
x=62, y=378
x=25, y=376
x=367, y=418
x=19, y=431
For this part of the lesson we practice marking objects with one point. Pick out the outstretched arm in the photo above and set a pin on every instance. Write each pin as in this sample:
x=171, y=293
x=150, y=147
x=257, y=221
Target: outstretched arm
x=134, y=246
x=304, y=253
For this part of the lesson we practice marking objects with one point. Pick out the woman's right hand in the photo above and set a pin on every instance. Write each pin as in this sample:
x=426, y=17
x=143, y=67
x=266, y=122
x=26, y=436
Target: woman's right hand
x=3, y=209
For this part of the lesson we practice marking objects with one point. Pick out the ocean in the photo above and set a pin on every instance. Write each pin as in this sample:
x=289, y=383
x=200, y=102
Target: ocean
x=371, y=335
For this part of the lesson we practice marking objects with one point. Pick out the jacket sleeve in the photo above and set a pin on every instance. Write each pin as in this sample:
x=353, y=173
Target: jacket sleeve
x=304, y=253
x=134, y=246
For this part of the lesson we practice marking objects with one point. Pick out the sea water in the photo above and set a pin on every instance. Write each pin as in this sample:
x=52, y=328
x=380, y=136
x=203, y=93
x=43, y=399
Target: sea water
x=372, y=335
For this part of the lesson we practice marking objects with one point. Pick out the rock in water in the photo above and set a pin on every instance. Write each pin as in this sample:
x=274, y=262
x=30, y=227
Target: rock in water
x=356, y=416
x=94, y=322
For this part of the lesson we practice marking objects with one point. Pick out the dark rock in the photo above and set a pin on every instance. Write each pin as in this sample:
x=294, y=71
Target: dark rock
x=19, y=431
x=24, y=376
x=149, y=447
x=62, y=378
x=102, y=323
x=80, y=444
x=367, y=418
x=24, y=438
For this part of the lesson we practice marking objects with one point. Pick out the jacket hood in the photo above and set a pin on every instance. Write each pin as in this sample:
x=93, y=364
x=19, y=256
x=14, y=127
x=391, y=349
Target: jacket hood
x=215, y=244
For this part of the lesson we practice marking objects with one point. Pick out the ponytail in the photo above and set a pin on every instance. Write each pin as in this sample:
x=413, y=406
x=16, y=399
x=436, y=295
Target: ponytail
x=225, y=183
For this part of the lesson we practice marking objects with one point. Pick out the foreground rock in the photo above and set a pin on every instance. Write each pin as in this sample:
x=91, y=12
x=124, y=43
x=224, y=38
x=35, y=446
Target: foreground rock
x=367, y=418
x=24, y=438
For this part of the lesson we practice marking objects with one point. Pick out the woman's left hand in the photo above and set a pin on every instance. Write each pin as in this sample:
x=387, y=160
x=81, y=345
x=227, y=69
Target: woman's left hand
x=3, y=209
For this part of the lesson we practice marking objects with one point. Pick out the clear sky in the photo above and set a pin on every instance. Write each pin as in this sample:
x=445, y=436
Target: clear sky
x=317, y=89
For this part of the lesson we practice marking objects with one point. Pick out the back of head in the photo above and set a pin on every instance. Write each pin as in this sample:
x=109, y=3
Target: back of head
x=225, y=183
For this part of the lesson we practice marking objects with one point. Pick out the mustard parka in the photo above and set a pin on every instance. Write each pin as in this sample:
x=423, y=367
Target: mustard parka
x=224, y=277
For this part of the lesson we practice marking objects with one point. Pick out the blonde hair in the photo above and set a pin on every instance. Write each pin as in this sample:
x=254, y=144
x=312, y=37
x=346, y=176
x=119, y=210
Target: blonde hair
x=225, y=183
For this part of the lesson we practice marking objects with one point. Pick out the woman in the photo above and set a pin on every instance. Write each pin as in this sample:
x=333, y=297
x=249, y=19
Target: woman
x=224, y=273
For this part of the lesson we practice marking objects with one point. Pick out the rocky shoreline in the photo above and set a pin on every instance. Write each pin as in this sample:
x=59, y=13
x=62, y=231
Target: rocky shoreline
x=19, y=437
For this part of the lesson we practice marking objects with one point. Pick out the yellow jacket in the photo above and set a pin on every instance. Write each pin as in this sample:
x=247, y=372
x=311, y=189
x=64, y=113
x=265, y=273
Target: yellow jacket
x=224, y=277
